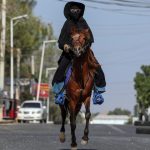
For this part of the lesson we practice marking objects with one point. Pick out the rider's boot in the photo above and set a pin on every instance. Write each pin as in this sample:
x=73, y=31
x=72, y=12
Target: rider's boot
x=58, y=89
x=97, y=95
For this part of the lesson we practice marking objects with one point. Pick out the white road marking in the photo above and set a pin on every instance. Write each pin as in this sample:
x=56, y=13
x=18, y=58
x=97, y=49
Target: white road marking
x=116, y=129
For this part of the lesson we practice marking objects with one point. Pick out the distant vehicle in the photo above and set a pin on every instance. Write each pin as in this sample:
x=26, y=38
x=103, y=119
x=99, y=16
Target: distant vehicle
x=32, y=111
x=9, y=109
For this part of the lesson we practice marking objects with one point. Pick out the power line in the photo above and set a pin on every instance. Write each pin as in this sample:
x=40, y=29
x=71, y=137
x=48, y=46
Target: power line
x=121, y=26
x=123, y=3
x=121, y=6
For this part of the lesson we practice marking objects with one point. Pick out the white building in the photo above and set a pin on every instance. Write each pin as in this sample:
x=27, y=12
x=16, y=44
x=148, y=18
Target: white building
x=110, y=119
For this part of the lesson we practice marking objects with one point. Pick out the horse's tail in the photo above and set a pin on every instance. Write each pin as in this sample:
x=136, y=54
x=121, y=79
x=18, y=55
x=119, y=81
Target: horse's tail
x=92, y=63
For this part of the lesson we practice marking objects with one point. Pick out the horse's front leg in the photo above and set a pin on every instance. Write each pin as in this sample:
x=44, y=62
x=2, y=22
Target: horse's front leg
x=73, y=127
x=62, y=130
x=87, y=117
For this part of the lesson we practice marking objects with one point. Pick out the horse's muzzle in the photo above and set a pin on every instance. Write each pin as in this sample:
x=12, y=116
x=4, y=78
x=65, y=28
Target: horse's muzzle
x=78, y=51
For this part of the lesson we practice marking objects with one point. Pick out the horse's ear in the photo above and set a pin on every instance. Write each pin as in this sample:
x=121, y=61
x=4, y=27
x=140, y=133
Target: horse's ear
x=87, y=33
x=86, y=30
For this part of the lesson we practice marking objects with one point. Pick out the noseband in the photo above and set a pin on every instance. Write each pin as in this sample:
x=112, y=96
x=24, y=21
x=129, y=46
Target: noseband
x=79, y=51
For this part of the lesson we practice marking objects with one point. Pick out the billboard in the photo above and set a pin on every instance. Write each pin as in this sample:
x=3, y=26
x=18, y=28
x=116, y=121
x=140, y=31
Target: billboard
x=44, y=90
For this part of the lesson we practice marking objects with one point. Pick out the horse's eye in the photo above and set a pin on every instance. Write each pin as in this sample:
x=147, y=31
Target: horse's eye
x=84, y=39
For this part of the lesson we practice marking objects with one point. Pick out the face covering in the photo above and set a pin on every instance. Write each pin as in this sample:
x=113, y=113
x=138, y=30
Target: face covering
x=75, y=14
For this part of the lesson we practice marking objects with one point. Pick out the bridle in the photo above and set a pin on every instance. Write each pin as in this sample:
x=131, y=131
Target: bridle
x=80, y=51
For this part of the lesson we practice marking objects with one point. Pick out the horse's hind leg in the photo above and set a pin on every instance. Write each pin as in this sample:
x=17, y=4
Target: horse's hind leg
x=62, y=130
x=87, y=117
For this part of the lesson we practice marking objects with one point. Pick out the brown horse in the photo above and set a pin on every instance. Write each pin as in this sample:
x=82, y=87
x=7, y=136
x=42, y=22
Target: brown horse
x=79, y=87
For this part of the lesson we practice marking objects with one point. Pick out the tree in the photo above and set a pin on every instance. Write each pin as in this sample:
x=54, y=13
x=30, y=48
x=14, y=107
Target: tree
x=28, y=34
x=119, y=111
x=55, y=114
x=142, y=87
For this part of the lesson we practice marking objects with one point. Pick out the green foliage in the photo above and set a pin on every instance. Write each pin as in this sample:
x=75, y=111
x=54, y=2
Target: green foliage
x=25, y=95
x=142, y=86
x=25, y=71
x=55, y=114
x=29, y=35
x=119, y=111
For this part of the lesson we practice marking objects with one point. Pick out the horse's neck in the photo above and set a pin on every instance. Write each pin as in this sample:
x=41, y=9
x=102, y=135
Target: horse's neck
x=79, y=62
x=81, y=69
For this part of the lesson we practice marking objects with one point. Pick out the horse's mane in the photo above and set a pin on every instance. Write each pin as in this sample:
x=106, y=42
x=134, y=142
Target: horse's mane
x=92, y=62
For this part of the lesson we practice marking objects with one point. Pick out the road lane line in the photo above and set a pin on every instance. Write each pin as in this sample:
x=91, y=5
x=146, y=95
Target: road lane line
x=116, y=129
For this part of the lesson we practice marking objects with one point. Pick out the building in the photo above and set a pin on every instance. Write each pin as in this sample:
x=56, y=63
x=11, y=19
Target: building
x=110, y=119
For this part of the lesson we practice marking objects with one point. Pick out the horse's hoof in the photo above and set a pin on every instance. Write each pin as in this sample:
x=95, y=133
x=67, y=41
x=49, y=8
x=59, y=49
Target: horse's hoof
x=84, y=142
x=74, y=148
x=62, y=137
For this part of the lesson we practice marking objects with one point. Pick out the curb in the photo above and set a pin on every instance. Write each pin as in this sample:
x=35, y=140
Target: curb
x=143, y=130
x=140, y=123
x=7, y=121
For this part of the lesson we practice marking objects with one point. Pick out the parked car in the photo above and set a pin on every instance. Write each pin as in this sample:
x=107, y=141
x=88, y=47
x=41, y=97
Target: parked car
x=32, y=111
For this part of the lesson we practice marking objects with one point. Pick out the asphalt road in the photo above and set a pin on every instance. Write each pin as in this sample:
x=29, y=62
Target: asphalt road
x=45, y=137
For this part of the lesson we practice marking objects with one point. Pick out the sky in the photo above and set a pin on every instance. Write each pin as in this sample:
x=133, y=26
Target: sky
x=121, y=46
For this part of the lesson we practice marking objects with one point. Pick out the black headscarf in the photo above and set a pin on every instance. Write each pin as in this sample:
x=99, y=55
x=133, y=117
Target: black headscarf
x=69, y=15
x=78, y=22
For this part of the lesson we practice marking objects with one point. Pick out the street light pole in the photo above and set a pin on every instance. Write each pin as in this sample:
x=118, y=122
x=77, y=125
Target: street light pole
x=49, y=69
x=2, y=44
x=12, y=54
x=40, y=75
x=11, y=61
x=41, y=66
x=48, y=100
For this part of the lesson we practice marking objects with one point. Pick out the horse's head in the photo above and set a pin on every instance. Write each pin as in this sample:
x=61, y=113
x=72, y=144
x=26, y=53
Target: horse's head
x=80, y=41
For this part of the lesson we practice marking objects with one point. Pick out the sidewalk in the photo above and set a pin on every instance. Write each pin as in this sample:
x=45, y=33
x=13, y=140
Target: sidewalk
x=6, y=121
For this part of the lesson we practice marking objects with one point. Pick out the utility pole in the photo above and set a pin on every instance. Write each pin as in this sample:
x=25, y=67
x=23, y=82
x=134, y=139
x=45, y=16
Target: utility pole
x=32, y=65
x=41, y=65
x=12, y=20
x=18, y=74
x=2, y=44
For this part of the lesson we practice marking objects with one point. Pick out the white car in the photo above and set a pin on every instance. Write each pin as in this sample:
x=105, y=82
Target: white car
x=32, y=111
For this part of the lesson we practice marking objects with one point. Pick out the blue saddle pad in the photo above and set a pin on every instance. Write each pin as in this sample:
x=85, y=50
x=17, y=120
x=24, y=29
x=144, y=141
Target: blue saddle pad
x=68, y=74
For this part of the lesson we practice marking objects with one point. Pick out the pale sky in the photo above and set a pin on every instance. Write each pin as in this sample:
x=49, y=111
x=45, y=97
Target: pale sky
x=121, y=44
